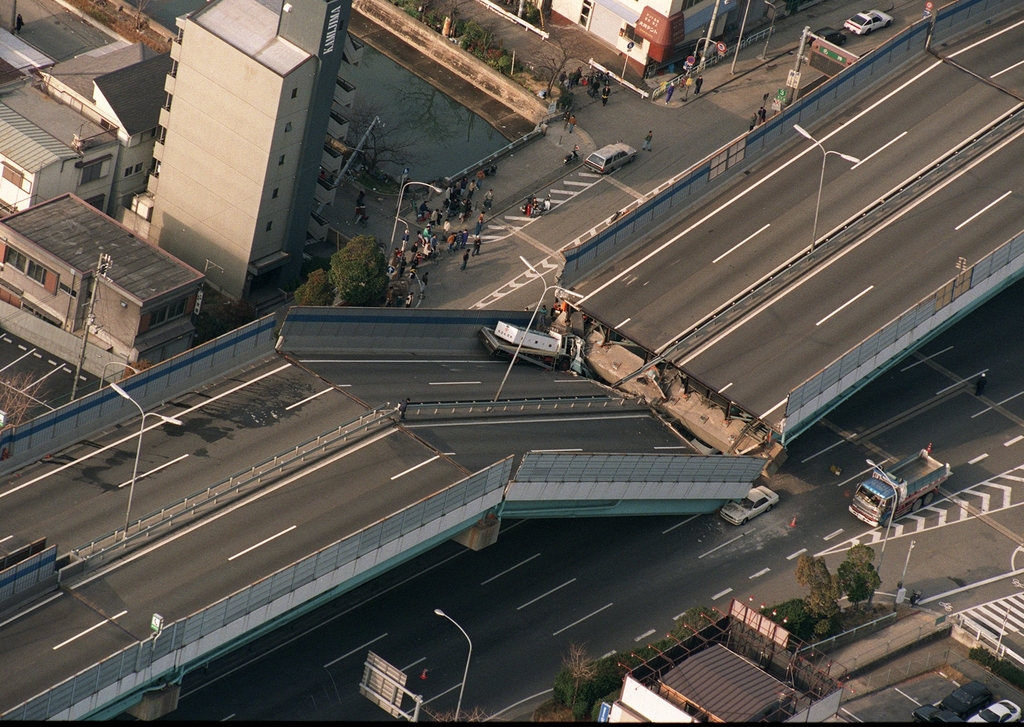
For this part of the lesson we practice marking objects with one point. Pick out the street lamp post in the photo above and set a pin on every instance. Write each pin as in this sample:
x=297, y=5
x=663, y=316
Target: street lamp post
x=103, y=377
x=465, y=673
x=138, y=450
x=821, y=182
x=399, y=210
x=888, y=524
x=771, y=28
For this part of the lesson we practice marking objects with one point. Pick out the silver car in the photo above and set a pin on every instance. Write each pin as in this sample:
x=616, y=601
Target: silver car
x=758, y=500
x=611, y=157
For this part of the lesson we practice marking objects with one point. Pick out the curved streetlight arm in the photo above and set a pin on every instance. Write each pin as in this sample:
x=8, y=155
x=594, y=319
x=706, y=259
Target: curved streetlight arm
x=394, y=228
x=529, y=325
x=465, y=673
x=103, y=376
x=821, y=180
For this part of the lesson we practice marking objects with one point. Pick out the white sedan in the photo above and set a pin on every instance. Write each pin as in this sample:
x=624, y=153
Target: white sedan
x=1003, y=711
x=759, y=499
x=864, y=23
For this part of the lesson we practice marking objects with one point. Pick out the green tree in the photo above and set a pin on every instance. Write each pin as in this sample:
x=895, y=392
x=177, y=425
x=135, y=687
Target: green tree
x=824, y=591
x=317, y=290
x=857, y=576
x=359, y=272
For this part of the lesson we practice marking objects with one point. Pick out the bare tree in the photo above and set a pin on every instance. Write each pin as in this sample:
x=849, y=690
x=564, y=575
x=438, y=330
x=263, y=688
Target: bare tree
x=18, y=396
x=476, y=714
x=580, y=667
x=388, y=143
x=140, y=9
x=565, y=47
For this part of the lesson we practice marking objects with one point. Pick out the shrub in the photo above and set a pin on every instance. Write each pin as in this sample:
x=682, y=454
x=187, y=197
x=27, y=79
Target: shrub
x=793, y=616
x=1000, y=667
x=317, y=290
x=693, y=619
x=358, y=271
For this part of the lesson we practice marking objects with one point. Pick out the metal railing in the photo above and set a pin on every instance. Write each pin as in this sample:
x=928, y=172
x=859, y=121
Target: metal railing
x=831, y=641
x=715, y=59
x=985, y=634
x=233, y=485
x=515, y=405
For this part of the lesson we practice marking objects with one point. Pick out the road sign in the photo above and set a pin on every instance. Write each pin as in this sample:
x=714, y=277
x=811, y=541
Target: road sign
x=793, y=80
x=688, y=63
x=721, y=48
x=629, y=45
x=928, y=9
x=605, y=713
x=156, y=623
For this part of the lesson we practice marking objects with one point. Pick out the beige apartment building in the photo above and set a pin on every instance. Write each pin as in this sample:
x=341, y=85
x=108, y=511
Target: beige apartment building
x=252, y=87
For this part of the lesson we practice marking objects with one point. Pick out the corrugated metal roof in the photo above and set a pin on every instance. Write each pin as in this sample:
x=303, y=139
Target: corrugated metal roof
x=27, y=145
x=76, y=232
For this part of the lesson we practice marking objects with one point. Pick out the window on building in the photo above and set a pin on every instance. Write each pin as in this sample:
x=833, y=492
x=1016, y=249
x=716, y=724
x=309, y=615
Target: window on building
x=174, y=69
x=167, y=313
x=280, y=161
x=161, y=134
x=128, y=172
x=37, y=272
x=287, y=126
x=181, y=34
x=29, y=267
x=588, y=5
x=16, y=260
x=93, y=171
x=67, y=289
x=15, y=177
x=270, y=223
x=295, y=92
x=273, y=195
x=628, y=32
x=97, y=201
x=138, y=167
x=167, y=101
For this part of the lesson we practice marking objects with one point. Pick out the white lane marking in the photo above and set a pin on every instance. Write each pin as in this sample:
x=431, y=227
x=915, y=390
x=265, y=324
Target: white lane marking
x=416, y=467
x=133, y=435
x=969, y=586
x=879, y=150
x=1014, y=440
x=578, y=184
x=722, y=390
x=961, y=382
x=509, y=570
x=977, y=459
x=228, y=718
x=998, y=403
x=926, y=358
x=215, y=516
x=720, y=594
x=907, y=696
x=741, y=243
x=679, y=523
x=547, y=451
x=624, y=322
x=446, y=691
x=4, y=540
x=831, y=446
x=844, y=709
x=27, y=611
x=797, y=554
x=310, y=398
x=721, y=546
x=765, y=415
x=504, y=422
x=644, y=635
x=527, y=699
x=355, y=650
x=543, y=595
x=262, y=542
x=566, y=628
x=849, y=302
x=154, y=470
x=15, y=361
x=89, y=630
x=452, y=383
x=759, y=182
x=1008, y=68
x=758, y=574
x=832, y=535
x=407, y=667
x=983, y=210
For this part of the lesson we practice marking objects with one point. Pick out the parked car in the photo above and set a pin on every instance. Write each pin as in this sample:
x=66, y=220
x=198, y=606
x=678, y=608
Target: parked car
x=934, y=713
x=833, y=36
x=864, y=23
x=969, y=698
x=1002, y=711
x=759, y=499
x=611, y=157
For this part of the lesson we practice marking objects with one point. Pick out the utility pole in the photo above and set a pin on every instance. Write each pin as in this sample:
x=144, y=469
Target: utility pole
x=799, y=60
x=707, y=40
x=102, y=268
x=739, y=41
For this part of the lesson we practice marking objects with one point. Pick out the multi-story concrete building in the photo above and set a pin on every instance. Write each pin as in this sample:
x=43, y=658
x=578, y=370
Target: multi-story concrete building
x=660, y=31
x=240, y=152
x=120, y=88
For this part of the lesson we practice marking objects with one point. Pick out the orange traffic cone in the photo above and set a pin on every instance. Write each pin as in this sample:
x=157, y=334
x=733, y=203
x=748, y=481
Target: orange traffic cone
x=792, y=523
x=423, y=675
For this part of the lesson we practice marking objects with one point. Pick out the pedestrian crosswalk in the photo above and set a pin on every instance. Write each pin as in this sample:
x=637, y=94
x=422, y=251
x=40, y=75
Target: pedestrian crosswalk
x=996, y=617
x=991, y=495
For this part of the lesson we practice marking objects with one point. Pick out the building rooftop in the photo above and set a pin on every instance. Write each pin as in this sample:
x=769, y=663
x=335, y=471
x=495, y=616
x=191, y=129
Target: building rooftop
x=79, y=72
x=20, y=54
x=251, y=27
x=76, y=232
x=136, y=92
x=35, y=130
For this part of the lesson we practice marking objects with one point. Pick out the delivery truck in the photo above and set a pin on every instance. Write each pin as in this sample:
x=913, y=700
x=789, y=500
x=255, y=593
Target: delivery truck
x=905, y=487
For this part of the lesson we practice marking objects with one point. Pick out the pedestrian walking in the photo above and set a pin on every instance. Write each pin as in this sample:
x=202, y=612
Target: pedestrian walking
x=479, y=224
x=488, y=199
x=476, y=246
x=423, y=280
x=465, y=259
x=762, y=115
x=471, y=189
x=409, y=299
x=572, y=122
x=979, y=385
x=647, y=140
x=668, y=92
x=753, y=121
x=463, y=238
x=697, y=84
x=19, y=24
x=462, y=185
x=402, y=406
x=605, y=94
x=447, y=226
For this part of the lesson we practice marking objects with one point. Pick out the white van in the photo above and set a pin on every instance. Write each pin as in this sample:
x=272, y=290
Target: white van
x=611, y=157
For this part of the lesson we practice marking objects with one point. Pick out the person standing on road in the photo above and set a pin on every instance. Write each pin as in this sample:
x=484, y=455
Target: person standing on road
x=19, y=23
x=647, y=140
x=980, y=384
x=465, y=259
x=762, y=115
x=697, y=84
x=476, y=246
x=572, y=122
x=402, y=406
x=668, y=92
x=605, y=93
x=488, y=199
x=479, y=224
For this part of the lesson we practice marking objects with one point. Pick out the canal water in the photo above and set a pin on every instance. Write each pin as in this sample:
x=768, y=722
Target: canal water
x=433, y=135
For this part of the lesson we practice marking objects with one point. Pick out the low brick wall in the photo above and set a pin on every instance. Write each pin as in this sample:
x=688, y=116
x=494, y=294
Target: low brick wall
x=436, y=48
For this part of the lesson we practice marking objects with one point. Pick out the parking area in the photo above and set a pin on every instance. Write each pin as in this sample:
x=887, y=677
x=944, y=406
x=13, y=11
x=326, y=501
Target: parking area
x=35, y=381
x=897, y=703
